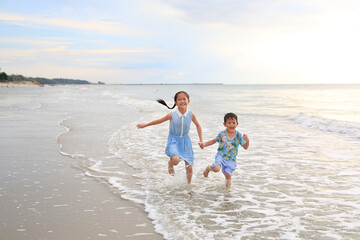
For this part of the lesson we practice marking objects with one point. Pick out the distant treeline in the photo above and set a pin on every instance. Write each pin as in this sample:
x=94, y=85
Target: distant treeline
x=20, y=78
x=54, y=81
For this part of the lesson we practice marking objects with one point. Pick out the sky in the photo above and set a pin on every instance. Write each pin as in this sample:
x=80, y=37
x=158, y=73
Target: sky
x=183, y=41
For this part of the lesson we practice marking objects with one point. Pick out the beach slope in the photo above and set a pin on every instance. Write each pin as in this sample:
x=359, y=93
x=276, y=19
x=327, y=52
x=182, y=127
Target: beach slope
x=42, y=194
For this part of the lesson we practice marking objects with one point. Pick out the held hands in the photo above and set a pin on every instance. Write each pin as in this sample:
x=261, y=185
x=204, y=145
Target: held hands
x=206, y=144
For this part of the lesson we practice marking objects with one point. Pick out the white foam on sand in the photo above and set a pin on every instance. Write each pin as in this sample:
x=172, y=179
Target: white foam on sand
x=350, y=129
x=290, y=184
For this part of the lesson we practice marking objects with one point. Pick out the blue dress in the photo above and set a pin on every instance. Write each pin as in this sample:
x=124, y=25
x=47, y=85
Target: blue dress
x=178, y=140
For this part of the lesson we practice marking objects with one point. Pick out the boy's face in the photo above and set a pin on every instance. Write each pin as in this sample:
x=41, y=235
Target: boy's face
x=231, y=124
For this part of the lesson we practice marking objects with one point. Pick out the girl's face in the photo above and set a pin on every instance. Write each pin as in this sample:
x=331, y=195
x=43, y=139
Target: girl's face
x=182, y=101
x=231, y=125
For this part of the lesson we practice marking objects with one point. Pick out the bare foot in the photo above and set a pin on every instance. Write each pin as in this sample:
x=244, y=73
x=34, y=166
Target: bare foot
x=228, y=184
x=171, y=168
x=207, y=170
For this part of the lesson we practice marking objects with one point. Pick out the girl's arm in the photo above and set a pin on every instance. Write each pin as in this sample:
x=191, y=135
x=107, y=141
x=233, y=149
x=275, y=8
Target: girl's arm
x=246, y=138
x=155, y=122
x=198, y=128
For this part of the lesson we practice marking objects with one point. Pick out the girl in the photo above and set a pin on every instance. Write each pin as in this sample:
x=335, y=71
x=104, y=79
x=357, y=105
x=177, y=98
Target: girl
x=179, y=146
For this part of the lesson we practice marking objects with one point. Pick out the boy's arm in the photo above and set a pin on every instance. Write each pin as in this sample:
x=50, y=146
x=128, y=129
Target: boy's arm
x=246, y=138
x=208, y=143
x=155, y=122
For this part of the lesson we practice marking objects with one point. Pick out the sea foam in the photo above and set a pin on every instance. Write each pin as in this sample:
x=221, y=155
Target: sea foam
x=350, y=129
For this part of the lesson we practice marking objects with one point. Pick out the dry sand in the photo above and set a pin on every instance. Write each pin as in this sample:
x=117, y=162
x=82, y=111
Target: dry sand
x=20, y=84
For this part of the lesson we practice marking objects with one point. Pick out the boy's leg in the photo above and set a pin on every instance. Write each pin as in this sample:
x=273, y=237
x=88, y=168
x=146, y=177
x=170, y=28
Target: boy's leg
x=217, y=163
x=207, y=170
x=228, y=180
x=189, y=172
x=174, y=160
x=210, y=168
x=216, y=168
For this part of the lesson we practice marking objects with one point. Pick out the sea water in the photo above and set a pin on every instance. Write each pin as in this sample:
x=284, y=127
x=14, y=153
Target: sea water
x=299, y=179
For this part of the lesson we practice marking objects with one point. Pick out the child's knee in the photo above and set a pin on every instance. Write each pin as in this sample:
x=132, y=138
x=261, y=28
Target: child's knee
x=189, y=169
x=175, y=160
x=216, y=168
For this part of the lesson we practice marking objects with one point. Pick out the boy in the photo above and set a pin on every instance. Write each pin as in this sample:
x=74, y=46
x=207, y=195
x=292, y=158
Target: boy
x=229, y=141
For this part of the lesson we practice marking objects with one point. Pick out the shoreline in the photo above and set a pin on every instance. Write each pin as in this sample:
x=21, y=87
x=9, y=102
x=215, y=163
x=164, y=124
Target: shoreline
x=44, y=195
x=20, y=84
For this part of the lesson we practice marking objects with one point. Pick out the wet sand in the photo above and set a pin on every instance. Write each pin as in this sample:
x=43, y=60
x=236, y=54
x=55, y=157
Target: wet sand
x=44, y=196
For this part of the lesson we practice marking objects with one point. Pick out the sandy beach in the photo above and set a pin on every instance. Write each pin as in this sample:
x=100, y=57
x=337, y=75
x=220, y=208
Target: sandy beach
x=19, y=84
x=73, y=165
x=43, y=195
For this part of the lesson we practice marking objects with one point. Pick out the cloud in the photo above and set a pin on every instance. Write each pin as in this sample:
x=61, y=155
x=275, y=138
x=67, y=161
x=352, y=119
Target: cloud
x=159, y=8
x=33, y=42
x=239, y=12
x=318, y=44
x=64, y=56
x=87, y=52
x=92, y=74
x=116, y=51
x=260, y=41
x=104, y=27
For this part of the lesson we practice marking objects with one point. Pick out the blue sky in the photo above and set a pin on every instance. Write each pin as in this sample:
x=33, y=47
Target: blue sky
x=183, y=41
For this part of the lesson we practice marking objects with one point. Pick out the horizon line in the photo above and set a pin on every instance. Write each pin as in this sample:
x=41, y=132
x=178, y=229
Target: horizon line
x=229, y=84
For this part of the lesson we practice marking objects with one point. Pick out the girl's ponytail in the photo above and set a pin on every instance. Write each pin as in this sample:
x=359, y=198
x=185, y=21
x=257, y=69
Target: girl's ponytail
x=175, y=97
x=164, y=103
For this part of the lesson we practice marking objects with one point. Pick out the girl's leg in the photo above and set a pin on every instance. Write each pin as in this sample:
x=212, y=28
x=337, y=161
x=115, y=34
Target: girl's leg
x=189, y=172
x=209, y=168
x=228, y=180
x=174, y=160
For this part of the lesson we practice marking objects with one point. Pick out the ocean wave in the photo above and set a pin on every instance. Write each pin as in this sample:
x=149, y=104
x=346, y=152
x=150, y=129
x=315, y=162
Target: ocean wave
x=328, y=125
x=141, y=105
